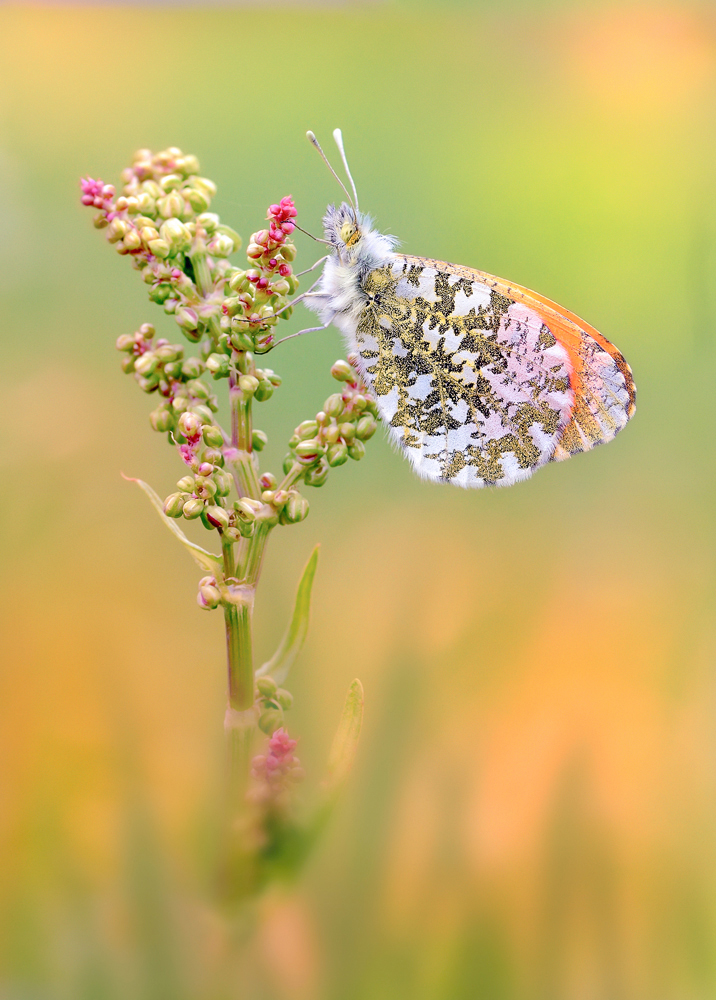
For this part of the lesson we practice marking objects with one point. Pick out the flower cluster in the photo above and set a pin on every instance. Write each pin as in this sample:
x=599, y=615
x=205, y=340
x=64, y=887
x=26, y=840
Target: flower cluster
x=162, y=223
x=275, y=772
x=258, y=291
x=338, y=431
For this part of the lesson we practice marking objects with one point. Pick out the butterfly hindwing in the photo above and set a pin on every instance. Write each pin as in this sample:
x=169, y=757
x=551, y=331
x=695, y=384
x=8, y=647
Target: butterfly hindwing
x=481, y=382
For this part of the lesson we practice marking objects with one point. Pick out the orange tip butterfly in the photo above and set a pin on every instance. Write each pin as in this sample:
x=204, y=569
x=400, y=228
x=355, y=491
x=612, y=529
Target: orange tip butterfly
x=478, y=380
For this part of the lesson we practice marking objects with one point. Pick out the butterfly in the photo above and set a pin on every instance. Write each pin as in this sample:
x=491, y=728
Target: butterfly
x=478, y=380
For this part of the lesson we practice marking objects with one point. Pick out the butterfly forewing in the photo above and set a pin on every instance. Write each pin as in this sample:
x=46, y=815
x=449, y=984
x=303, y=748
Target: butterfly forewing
x=480, y=381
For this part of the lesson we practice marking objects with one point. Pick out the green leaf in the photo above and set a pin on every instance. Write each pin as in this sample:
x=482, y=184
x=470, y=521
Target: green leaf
x=345, y=742
x=206, y=560
x=282, y=660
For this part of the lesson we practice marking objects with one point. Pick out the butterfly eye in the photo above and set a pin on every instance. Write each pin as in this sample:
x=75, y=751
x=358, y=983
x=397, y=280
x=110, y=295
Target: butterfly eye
x=349, y=233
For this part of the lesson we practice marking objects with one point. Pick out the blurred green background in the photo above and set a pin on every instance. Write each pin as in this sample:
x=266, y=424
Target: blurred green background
x=532, y=815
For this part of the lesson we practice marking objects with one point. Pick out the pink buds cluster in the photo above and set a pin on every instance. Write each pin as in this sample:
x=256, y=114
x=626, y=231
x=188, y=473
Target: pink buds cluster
x=262, y=290
x=97, y=194
x=275, y=772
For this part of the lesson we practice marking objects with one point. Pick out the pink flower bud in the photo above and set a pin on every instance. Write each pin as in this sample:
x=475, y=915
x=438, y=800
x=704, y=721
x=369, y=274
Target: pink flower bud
x=284, y=270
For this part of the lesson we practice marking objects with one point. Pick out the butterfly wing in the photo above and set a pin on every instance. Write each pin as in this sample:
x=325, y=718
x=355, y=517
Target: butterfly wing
x=481, y=381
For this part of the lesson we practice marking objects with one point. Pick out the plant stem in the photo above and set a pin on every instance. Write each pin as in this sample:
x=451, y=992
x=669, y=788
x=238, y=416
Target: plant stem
x=239, y=651
x=242, y=441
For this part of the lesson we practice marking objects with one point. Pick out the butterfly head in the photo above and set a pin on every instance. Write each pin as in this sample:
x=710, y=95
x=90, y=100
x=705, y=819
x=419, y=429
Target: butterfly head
x=343, y=226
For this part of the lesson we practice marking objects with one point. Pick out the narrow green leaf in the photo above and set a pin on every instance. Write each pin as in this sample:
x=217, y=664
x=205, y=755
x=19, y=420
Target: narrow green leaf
x=282, y=660
x=206, y=560
x=345, y=742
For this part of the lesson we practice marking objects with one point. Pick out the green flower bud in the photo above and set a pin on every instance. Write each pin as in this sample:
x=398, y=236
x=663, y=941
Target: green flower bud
x=174, y=504
x=334, y=405
x=348, y=432
x=203, y=412
x=204, y=184
x=247, y=508
x=162, y=420
x=284, y=698
x=186, y=484
x=218, y=365
x=187, y=318
x=132, y=241
x=356, y=450
x=224, y=482
x=193, y=508
x=148, y=384
x=238, y=280
x=170, y=182
x=332, y=433
x=307, y=429
x=309, y=449
x=366, y=427
x=190, y=424
x=266, y=686
x=117, y=230
x=124, y=342
x=270, y=721
x=172, y=206
x=217, y=516
x=208, y=597
x=213, y=436
x=267, y=496
x=160, y=248
x=264, y=391
x=205, y=487
x=288, y=463
x=342, y=371
x=100, y=221
x=146, y=363
x=128, y=364
x=295, y=509
x=258, y=440
x=197, y=199
x=337, y=454
x=175, y=233
x=318, y=475
x=232, y=534
x=248, y=384
x=242, y=341
x=169, y=352
x=288, y=252
x=221, y=246
x=359, y=403
x=160, y=294
x=208, y=221
x=192, y=368
x=214, y=457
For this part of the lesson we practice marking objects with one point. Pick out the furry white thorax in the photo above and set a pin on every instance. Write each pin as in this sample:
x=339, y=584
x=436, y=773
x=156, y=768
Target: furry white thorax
x=339, y=297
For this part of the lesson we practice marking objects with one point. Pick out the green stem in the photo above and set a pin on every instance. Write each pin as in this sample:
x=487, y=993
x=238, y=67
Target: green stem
x=239, y=648
x=242, y=441
x=292, y=476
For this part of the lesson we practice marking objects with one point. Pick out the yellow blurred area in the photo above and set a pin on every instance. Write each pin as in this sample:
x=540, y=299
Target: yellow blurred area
x=532, y=815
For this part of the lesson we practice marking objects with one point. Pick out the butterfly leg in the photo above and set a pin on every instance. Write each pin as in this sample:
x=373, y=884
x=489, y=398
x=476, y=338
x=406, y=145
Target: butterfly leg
x=310, y=329
x=299, y=298
x=312, y=267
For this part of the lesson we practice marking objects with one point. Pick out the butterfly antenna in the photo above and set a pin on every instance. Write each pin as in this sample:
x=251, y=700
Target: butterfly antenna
x=316, y=143
x=338, y=137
